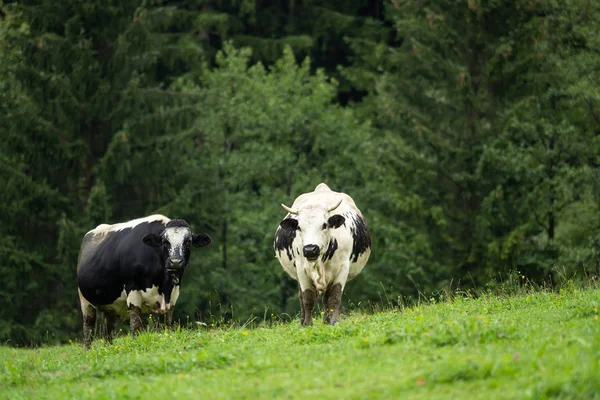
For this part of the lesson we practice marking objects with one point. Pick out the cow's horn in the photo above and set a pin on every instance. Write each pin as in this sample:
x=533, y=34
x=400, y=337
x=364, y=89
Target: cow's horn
x=334, y=207
x=286, y=208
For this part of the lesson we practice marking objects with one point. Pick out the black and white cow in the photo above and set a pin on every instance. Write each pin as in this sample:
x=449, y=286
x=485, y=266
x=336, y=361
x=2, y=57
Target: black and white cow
x=323, y=242
x=133, y=267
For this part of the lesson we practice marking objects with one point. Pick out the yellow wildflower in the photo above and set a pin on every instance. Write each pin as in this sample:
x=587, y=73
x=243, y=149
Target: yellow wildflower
x=245, y=333
x=596, y=318
x=366, y=340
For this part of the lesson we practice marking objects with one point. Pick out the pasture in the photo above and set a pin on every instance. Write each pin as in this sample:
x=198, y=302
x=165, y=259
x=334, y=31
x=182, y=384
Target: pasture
x=535, y=345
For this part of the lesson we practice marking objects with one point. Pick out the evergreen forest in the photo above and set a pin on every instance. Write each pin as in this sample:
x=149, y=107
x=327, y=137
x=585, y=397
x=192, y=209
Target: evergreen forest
x=467, y=132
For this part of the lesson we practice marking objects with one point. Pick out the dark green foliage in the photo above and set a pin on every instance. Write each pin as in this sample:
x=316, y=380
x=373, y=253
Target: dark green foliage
x=467, y=133
x=479, y=103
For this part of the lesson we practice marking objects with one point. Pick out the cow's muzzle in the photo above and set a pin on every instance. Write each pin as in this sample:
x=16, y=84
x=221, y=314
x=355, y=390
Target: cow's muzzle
x=174, y=265
x=311, y=252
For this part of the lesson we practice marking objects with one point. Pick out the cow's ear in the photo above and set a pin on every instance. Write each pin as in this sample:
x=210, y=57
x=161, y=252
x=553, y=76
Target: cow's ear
x=153, y=240
x=200, y=239
x=289, y=224
x=335, y=221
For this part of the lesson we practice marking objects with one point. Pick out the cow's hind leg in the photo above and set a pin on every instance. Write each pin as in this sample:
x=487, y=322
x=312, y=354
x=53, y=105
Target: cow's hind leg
x=135, y=320
x=332, y=300
x=169, y=318
x=89, y=320
x=111, y=321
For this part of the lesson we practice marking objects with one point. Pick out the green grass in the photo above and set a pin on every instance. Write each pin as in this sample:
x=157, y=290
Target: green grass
x=536, y=345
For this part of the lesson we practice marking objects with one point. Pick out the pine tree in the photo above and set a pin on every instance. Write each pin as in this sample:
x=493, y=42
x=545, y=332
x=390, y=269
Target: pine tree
x=548, y=147
x=485, y=131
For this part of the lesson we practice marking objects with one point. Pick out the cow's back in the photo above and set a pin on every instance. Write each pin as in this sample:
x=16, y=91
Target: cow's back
x=113, y=257
x=324, y=195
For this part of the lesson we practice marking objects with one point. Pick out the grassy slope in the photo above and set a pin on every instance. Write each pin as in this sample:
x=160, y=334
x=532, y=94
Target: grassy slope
x=532, y=346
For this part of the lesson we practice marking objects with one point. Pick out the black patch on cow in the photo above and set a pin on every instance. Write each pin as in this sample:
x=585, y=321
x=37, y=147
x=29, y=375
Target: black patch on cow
x=285, y=235
x=335, y=221
x=153, y=240
x=289, y=224
x=331, y=248
x=361, y=239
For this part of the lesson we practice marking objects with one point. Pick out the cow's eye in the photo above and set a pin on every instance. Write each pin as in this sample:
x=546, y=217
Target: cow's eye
x=324, y=226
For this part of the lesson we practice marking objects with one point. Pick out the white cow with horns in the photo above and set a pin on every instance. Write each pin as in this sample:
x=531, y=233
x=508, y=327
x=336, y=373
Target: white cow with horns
x=323, y=242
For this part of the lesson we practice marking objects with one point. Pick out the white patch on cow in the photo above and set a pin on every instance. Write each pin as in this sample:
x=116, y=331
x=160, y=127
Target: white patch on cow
x=357, y=267
x=86, y=307
x=134, y=298
x=104, y=228
x=149, y=300
x=174, y=296
x=176, y=236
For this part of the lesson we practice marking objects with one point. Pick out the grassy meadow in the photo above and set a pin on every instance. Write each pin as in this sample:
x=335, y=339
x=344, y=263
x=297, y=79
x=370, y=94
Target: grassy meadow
x=534, y=345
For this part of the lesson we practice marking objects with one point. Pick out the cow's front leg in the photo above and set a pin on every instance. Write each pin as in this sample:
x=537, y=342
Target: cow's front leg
x=134, y=303
x=308, y=298
x=89, y=321
x=332, y=298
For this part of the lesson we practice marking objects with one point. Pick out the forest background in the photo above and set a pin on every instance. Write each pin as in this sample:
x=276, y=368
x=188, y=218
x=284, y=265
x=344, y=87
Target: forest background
x=468, y=132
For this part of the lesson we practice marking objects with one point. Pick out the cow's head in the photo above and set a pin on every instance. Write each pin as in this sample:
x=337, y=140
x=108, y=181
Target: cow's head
x=313, y=223
x=175, y=242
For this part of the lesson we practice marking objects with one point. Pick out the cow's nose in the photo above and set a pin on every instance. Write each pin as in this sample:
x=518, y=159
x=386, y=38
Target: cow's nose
x=311, y=251
x=175, y=262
